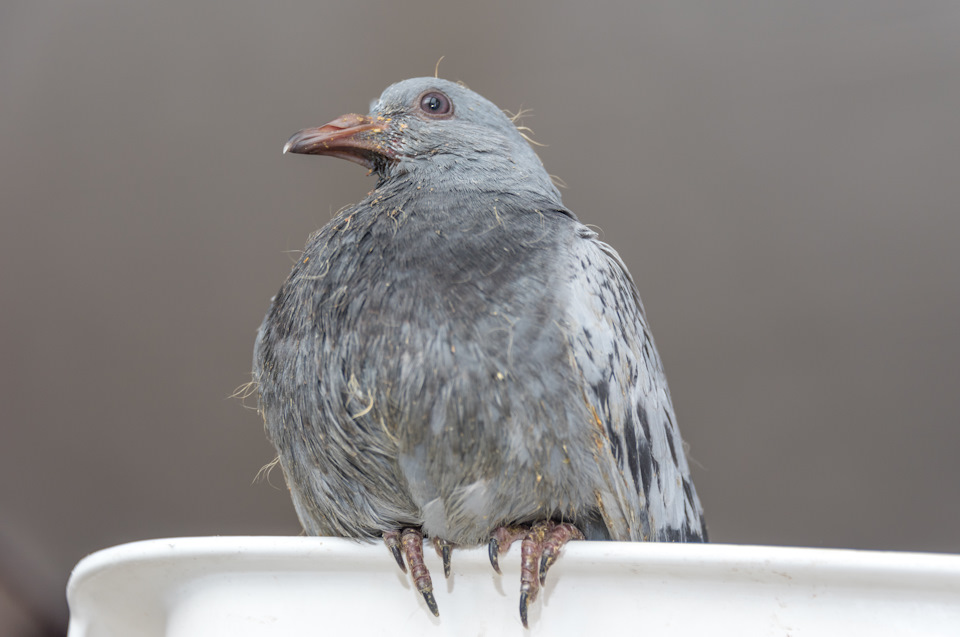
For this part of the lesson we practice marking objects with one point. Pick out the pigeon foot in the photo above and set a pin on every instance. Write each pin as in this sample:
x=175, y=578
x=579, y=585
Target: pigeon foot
x=539, y=549
x=408, y=544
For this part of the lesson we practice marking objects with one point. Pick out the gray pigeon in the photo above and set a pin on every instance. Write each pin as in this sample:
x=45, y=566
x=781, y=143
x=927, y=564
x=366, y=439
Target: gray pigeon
x=457, y=357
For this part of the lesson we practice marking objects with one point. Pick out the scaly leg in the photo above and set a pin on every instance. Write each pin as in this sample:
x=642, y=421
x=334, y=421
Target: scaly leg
x=556, y=538
x=408, y=543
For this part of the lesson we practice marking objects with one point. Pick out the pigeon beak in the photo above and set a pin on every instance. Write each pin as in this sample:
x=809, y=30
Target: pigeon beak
x=356, y=138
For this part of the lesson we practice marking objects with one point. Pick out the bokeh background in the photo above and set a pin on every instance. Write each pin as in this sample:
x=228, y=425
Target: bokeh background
x=783, y=179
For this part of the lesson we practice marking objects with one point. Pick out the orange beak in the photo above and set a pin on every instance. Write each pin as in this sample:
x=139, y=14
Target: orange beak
x=356, y=138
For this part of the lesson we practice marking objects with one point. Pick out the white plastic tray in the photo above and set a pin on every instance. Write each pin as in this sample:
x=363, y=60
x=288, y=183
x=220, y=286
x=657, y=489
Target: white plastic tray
x=245, y=586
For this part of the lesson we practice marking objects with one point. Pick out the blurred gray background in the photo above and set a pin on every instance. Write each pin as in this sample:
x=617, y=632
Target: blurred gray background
x=783, y=179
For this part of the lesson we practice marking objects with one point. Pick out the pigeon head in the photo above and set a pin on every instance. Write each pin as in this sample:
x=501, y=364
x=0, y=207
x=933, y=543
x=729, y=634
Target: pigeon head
x=432, y=131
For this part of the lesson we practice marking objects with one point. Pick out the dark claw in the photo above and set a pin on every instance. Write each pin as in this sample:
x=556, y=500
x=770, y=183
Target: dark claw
x=523, y=608
x=446, y=559
x=397, y=555
x=443, y=548
x=493, y=550
x=500, y=541
x=431, y=602
x=392, y=540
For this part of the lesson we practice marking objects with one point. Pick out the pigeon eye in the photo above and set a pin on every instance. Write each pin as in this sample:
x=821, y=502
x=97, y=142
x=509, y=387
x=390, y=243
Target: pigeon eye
x=436, y=104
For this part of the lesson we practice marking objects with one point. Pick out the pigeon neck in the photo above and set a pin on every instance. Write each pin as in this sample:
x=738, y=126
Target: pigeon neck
x=415, y=192
x=453, y=178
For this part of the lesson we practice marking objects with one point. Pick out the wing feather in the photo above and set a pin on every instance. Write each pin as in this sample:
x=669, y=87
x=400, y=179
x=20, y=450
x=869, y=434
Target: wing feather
x=648, y=493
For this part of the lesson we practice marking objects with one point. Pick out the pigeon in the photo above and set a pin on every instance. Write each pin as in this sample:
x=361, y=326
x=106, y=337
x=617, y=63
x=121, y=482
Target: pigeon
x=458, y=358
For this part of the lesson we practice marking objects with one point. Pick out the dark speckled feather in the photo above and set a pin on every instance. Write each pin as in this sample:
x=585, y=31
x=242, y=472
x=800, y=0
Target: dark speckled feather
x=457, y=352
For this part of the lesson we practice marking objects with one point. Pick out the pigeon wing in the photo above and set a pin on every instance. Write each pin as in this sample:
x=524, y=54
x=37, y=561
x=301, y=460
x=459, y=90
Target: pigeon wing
x=648, y=493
